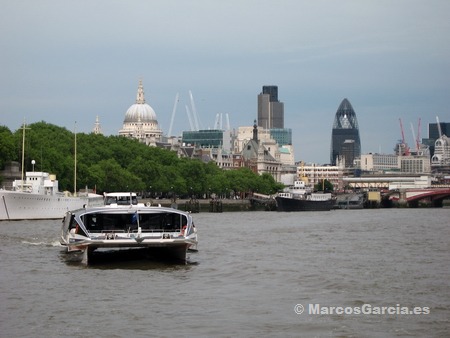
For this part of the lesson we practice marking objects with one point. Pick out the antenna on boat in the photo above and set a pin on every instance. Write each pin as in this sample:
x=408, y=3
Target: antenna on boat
x=24, y=127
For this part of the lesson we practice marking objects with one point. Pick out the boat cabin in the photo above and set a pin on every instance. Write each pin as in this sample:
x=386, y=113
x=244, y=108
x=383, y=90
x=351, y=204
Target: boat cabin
x=37, y=182
x=109, y=221
x=121, y=198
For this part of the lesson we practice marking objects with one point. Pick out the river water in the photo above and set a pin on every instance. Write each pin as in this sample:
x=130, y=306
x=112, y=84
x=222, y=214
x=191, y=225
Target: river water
x=252, y=272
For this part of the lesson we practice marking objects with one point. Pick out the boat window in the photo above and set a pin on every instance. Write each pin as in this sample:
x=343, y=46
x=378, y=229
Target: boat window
x=72, y=224
x=162, y=222
x=153, y=222
x=121, y=200
x=110, y=200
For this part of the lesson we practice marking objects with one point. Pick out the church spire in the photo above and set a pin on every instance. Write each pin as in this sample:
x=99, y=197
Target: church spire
x=255, y=132
x=97, y=127
x=140, y=94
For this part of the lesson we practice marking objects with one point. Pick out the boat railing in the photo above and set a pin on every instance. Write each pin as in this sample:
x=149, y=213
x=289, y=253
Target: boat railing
x=157, y=230
x=147, y=233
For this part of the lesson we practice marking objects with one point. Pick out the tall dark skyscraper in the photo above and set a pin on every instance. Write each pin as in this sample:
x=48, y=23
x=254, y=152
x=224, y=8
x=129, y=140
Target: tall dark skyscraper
x=272, y=91
x=433, y=134
x=270, y=110
x=345, y=140
x=433, y=130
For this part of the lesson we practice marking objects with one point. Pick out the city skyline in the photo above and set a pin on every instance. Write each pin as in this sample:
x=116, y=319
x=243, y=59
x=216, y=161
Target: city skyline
x=66, y=61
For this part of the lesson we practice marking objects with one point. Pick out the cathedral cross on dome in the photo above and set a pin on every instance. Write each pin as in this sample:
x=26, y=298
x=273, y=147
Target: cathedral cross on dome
x=140, y=94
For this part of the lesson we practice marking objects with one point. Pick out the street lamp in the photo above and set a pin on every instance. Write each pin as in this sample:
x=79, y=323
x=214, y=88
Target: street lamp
x=33, y=163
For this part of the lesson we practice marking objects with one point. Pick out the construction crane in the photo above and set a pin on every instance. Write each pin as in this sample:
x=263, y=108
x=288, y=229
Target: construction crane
x=218, y=122
x=418, y=135
x=227, y=121
x=194, y=111
x=188, y=112
x=173, y=114
x=404, y=149
x=416, y=139
x=439, y=127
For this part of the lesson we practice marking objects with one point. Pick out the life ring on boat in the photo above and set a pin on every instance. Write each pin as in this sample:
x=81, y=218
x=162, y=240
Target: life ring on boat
x=183, y=230
x=147, y=204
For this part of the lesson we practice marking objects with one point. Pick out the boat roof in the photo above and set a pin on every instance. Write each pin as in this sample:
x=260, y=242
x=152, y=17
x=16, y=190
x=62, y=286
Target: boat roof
x=126, y=209
x=120, y=194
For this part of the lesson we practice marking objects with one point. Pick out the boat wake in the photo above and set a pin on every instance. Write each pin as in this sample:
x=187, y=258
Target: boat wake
x=46, y=244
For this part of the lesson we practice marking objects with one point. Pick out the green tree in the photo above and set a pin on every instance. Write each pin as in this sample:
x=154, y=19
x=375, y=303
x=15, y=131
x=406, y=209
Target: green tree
x=242, y=181
x=324, y=185
x=194, y=174
x=110, y=176
x=117, y=163
x=7, y=146
x=267, y=184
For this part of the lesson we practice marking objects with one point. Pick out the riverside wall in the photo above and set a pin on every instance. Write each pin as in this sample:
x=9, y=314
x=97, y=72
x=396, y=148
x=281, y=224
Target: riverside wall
x=204, y=205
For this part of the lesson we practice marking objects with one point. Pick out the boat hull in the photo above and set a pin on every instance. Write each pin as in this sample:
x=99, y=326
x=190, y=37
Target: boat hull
x=174, y=249
x=16, y=205
x=293, y=204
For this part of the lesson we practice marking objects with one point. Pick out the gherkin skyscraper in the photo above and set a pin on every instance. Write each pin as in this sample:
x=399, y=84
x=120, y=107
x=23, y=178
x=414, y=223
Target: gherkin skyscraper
x=345, y=142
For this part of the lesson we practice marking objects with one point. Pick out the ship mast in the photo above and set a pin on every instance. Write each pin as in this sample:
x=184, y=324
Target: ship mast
x=75, y=165
x=23, y=151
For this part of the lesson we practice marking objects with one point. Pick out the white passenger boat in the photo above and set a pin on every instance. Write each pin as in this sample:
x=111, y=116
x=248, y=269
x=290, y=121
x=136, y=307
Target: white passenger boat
x=38, y=197
x=116, y=225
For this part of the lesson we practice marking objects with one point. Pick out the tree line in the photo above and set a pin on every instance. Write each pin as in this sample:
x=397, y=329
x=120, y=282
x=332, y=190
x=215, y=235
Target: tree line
x=116, y=163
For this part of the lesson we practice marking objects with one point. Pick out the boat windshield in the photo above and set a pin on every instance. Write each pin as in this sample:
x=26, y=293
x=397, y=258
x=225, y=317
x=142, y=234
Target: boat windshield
x=121, y=200
x=119, y=222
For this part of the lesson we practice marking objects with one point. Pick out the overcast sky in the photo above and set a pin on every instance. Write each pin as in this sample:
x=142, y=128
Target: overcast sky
x=65, y=61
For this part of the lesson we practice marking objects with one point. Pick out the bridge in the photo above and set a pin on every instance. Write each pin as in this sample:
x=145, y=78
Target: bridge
x=412, y=197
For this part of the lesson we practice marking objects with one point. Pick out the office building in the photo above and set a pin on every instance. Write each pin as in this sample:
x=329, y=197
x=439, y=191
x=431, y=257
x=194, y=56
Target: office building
x=270, y=110
x=212, y=138
x=282, y=136
x=345, y=141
